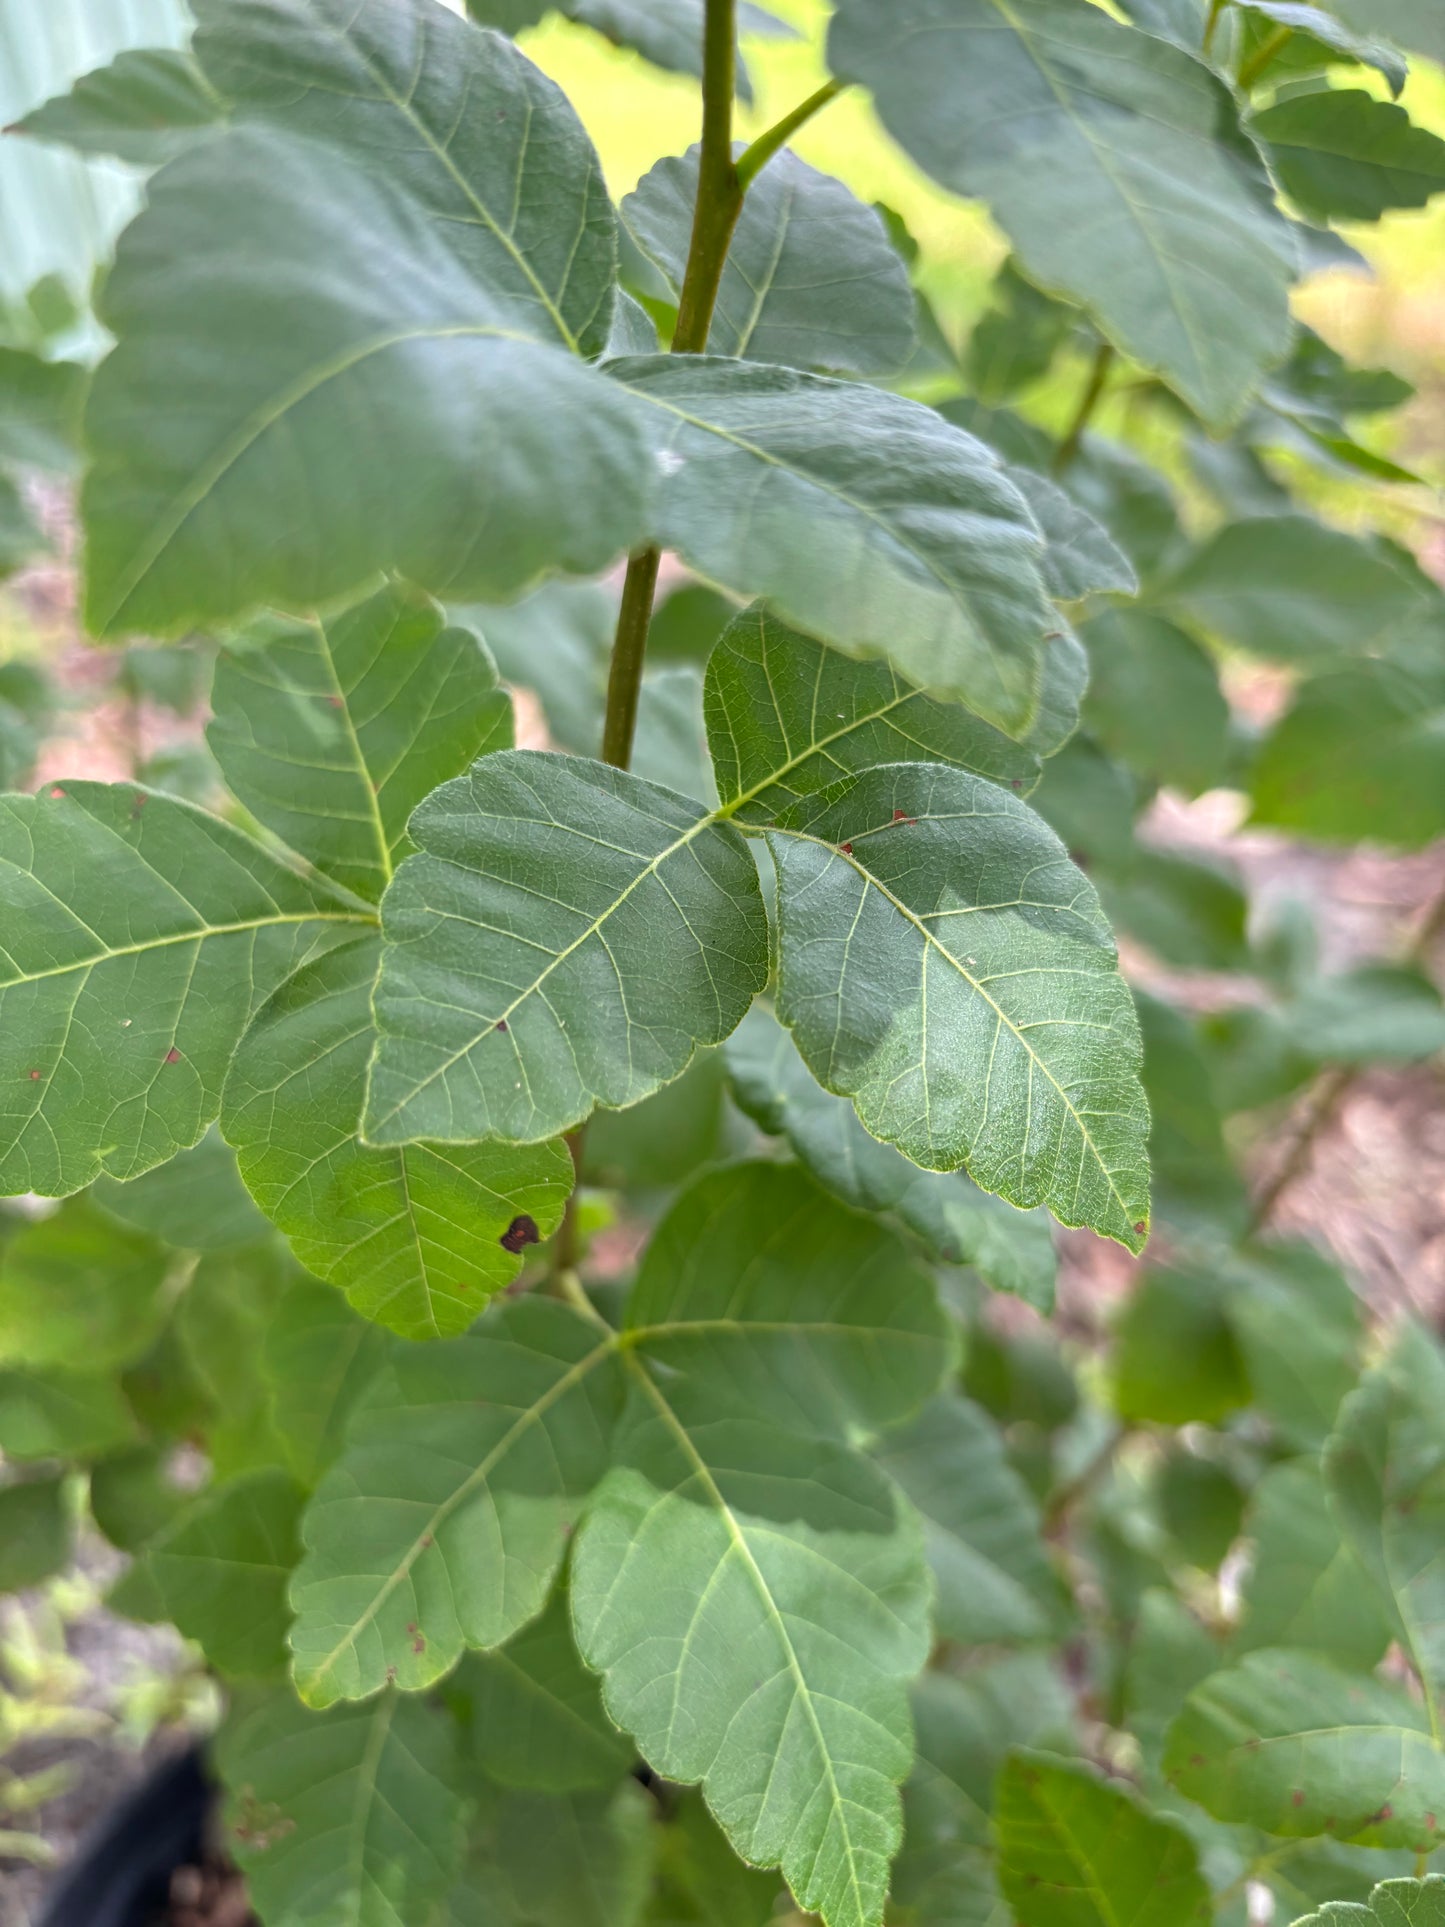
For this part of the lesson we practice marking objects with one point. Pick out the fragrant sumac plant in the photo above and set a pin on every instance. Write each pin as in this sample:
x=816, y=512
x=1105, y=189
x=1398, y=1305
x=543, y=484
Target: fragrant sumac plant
x=553, y=1249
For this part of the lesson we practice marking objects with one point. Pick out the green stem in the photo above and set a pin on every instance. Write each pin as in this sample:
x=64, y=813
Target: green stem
x=1216, y=9
x=1251, y=69
x=629, y=652
x=755, y=158
x=1093, y=394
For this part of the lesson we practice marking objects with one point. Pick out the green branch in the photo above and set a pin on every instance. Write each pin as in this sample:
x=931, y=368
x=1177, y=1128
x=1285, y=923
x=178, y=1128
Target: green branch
x=752, y=162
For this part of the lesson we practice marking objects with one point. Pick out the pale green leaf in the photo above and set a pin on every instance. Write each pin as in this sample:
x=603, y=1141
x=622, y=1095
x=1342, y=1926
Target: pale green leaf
x=36, y=1532
x=534, y=1713
x=1091, y=802
x=60, y=1414
x=353, y=1818
x=757, y=1605
x=577, y=1859
x=1154, y=700
x=1393, y=1903
x=445, y=1520
x=219, y=1573
x=435, y=213
x=317, y=1360
x=40, y=403
x=787, y=718
x=808, y=1315
x=567, y=936
x=811, y=278
x=196, y=1202
x=866, y=520
x=670, y=744
x=1342, y=155
x=1360, y=753
x=1288, y=587
x=1385, y=1468
x=1379, y=1012
x=980, y=1524
x=957, y=1223
x=145, y=107
x=414, y=1233
x=332, y=732
x=1114, y=162
x=141, y=934
x=1415, y=24
x=79, y=1292
x=700, y=1880
x=1299, y=1328
x=945, y=965
x=1306, y=1587
x=1286, y=1743
x=1079, y=1851
x=21, y=537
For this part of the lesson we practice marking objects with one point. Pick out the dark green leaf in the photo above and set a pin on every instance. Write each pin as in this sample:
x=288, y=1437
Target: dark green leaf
x=118, y=1025
x=332, y=732
x=866, y=520
x=438, y=218
x=36, y=1532
x=1299, y=1328
x=1306, y=1587
x=1342, y=155
x=1011, y=1250
x=556, y=643
x=787, y=718
x=687, y=623
x=40, y=403
x=811, y=278
x=1195, y=1183
x=145, y=107
x=579, y=1859
x=352, y=1816
x=1090, y=801
x=196, y=1202
x=443, y=1523
x=975, y=1016
x=317, y=1360
x=1154, y=700
x=1176, y=1359
x=1078, y=1851
x=1080, y=557
x=516, y=996
x=1380, y=1011
x=1112, y=160
x=1286, y=1743
x=700, y=1880
x=1014, y=344
x=1190, y=911
x=1200, y=1504
x=1324, y=37
x=413, y=1234
x=133, y=1495
x=670, y=745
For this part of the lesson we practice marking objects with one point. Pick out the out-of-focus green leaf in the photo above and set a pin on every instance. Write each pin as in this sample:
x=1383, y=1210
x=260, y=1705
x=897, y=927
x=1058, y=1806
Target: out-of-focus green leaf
x=1342, y=155
x=36, y=1531
x=196, y=1202
x=146, y=107
x=1306, y=1587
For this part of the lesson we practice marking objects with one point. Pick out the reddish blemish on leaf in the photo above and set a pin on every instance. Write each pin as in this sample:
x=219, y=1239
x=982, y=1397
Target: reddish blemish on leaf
x=846, y=848
x=1297, y=1798
x=34, y=1077
x=1141, y=1227
x=57, y=792
x=501, y=1023
x=173, y=1056
x=335, y=702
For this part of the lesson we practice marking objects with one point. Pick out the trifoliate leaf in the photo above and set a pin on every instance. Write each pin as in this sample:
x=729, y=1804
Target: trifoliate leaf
x=1306, y=1587
x=1342, y=155
x=356, y=1815
x=957, y=1223
x=219, y=1573
x=866, y=520
x=1114, y=162
x=146, y=107
x=1286, y=1743
x=419, y=1236
x=196, y=1202
x=566, y=936
x=332, y=732
x=811, y=278
x=118, y=1026
x=1075, y=1850
x=443, y=1523
x=980, y=1524
x=945, y=965
x=787, y=717
x=436, y=219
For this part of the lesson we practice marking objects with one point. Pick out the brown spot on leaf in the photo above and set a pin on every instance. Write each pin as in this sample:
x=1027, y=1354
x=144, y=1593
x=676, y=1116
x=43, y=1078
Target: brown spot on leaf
x=846, y=848
x=520, y=1233
x=1141, y=1227
x=1297, y=1798
x=501, y=1023
x=35, y=1077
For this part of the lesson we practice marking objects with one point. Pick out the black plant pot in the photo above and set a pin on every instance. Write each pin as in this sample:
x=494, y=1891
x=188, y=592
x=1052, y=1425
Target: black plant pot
x=121, y=1873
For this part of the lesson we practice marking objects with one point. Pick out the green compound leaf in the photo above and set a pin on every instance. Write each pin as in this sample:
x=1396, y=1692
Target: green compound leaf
x=944, y=964
x=1114, y=162
x=145, y=107
x=1078, y=1851
x=1342, y=155
x=445, y=1520
x=534, y=1713
x=438, y=220
x=787, y=718
x=332, y=732
x=116, y=1028
x=956, y=1222
x=812, y=279
x=196, y=1202
x=808, y=1315
x=757, y=1604
x=566, y=937
x=353, y=1818
x=980, y=1524
x=1361, y=753
x=1286, y=1743
x=1385, y=1468
x=867, y=520
x=1289, y=588
x=413, y=1234
x=1306, y=1587
x=219, y=1573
